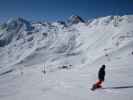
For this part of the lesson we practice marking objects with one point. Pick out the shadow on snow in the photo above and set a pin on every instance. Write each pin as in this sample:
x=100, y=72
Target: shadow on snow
x=119, y=87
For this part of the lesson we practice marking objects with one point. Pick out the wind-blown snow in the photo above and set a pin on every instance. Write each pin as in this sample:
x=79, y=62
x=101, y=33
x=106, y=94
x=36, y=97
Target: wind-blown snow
x=26, y=47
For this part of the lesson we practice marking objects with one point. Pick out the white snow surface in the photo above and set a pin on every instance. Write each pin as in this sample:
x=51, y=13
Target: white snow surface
x=83, y=47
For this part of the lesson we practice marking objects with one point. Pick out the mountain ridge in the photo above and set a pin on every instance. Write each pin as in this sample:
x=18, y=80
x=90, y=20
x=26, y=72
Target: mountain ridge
x=26, y=42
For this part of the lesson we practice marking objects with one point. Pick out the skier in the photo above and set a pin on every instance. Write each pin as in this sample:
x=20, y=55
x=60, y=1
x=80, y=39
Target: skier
x=101, y=77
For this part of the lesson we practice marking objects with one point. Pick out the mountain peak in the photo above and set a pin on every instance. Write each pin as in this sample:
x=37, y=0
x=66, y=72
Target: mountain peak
x=74, y=19
x=16, y=19
x=18, y=22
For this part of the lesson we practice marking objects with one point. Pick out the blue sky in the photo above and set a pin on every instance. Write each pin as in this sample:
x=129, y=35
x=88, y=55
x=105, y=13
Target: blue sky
x=53, y=10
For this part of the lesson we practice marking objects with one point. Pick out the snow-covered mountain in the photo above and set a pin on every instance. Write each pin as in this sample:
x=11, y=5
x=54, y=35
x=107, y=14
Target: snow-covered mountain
x=76, y=42
x=22, y=41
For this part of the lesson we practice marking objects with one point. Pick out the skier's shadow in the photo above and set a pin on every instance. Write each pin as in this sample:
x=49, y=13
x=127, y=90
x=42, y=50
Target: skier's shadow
x=119, y=87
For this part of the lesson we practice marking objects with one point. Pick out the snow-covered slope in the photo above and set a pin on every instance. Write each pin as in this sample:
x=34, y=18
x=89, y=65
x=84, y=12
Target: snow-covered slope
x=25, y=42
x=81, y=45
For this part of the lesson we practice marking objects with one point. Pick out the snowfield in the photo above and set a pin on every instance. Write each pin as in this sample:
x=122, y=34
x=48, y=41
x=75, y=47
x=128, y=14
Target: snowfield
x=71, y=54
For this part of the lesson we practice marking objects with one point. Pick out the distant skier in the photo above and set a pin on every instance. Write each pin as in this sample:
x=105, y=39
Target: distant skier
x=101, y=78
